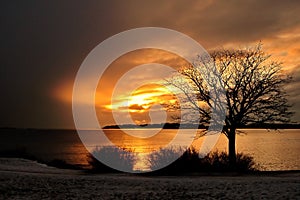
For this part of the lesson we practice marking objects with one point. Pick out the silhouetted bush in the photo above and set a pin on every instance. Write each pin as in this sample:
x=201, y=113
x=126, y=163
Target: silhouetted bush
x=215, y=162
x=168, y=155
x=112, y=155
x=189, y=162
x=246, y=163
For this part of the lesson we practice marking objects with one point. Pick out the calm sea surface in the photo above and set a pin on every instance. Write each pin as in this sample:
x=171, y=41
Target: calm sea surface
x=272, y=150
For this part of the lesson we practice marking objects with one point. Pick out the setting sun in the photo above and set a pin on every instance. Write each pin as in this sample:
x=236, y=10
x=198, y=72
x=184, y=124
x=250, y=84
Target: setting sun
x=139, y=103
x=142, y=99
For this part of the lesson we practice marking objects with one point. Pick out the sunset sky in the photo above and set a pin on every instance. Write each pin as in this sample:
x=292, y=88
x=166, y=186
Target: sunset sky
x=43, y=44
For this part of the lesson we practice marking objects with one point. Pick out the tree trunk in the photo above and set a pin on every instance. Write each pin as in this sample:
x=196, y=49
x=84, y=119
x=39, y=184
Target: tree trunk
x=231, y=148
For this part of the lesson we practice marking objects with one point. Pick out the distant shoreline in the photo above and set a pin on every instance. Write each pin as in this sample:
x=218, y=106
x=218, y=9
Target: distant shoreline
x=193, y=126
x=163, y=126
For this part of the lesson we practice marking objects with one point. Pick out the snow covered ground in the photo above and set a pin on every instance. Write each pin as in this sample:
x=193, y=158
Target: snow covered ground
x=25, y=179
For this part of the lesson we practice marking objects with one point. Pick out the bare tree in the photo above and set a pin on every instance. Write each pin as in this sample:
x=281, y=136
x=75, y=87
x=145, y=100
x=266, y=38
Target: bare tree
x=253, y=90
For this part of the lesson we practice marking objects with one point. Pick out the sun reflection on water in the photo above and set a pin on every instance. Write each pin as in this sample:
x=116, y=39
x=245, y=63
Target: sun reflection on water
x=144, y=146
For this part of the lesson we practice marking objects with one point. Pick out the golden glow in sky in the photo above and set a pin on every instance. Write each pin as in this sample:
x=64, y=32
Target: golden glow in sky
x=142, y=99
x=131, y=89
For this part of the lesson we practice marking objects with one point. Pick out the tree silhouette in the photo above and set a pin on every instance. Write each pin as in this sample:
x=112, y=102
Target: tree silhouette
x=253, y=88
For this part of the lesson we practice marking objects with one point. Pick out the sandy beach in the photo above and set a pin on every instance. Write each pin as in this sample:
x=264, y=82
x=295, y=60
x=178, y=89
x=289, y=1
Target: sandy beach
x=25, y=179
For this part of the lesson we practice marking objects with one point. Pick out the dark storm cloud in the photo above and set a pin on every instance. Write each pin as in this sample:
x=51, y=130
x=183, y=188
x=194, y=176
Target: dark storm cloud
x=44, y=42
x=216, y=22
x=294, y=93
x=248, y=20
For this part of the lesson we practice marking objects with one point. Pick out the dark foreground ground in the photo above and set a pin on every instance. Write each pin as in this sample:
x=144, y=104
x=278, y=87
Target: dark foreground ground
x=23, y=179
